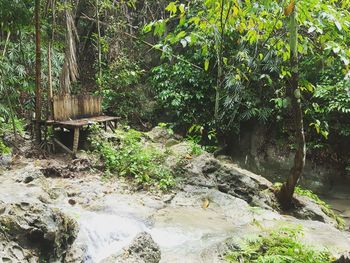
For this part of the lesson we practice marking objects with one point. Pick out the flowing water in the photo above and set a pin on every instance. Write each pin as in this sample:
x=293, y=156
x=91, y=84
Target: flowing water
x=109, y=217
x=183, y=234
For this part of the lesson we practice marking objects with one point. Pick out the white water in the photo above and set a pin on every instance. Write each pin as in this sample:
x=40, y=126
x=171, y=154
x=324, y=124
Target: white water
x=105, y=235
x=180, y=236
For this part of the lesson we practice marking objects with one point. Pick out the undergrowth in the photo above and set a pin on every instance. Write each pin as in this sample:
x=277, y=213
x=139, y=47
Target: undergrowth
x=326, y=208
x=129, y=157
x=3, y=148
x=280, y=246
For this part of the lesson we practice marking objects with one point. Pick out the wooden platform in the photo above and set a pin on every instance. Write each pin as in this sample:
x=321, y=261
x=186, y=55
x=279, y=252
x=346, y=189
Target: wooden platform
x=84, y=121
x=75, y=112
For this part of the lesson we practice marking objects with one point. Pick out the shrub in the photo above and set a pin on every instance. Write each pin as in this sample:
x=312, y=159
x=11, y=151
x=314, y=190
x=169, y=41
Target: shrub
x=123, y=95
x=131, y=158
x=280, y=246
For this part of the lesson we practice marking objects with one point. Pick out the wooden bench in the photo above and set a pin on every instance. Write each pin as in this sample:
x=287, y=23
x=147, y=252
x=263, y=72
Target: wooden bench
x=77, y=111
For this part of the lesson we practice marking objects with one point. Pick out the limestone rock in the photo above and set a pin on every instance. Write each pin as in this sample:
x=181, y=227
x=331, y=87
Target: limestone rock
x=161, y=134
x=45, y=231
x=207, y=171
x=5, y=159
x=141, y=250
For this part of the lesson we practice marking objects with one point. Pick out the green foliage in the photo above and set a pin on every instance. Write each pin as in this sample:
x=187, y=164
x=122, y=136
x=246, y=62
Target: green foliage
x=330, y=108
x=167, y=126
x=248, y=42
x=280, y=246
x=4, y=148
x=197, y=135
x=183, y=93
x=121, y=90
x=7, y=126
x=131, y=158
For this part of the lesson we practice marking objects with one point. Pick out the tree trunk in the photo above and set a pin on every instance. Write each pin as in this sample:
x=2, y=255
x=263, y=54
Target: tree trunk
x=37, y=130
x=12, y=112
x=69, y=71
x=285, y=195
x=99, y=44
x=49, y=91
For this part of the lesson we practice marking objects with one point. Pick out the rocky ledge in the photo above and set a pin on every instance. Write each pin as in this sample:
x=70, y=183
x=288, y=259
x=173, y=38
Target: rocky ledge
x=45, y=216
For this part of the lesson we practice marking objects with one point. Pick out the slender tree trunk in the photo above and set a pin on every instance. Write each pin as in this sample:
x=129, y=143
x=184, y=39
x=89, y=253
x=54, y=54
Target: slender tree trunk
x=285, y=195
x=49, y=91
x=12, y=112
x=37, y=130
x=99, y=43
x=218, y=82
x=219, y=54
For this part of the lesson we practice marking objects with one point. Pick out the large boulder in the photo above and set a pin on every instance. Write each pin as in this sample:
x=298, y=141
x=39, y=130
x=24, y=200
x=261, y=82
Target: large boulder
x=141, y=250
x=44, y=231
x=206, y=171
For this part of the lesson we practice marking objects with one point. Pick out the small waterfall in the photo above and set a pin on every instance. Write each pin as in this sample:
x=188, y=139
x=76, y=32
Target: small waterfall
x=105, y=235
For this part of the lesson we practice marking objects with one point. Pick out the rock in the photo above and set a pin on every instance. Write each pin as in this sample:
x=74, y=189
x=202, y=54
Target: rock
x=181, y=149
x=76, y=253
x=345, y=258
x=141, y=250
x=11, y=252
x=207, y=171
x=171, y=142
x=161, y=134
x=307, y=208
x=28, y=175
x=55, y=171
x=5, y=159
x=45, y=231
x=77, y=165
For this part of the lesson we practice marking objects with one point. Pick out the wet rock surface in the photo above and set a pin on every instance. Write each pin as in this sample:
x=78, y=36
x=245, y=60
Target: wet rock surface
x=35, y=227
x=206, y=171
x=142, y=249
x=85, y=219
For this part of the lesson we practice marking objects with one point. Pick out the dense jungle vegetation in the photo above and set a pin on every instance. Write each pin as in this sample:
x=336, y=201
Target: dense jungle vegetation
x=214, y=71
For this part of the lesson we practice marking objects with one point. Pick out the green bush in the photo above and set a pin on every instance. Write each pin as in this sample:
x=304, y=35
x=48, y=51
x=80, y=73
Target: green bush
x=281, y=246
x=7, y=127
x=131, y=158
x=121, y=90
x=184, y=94
x=4, y=148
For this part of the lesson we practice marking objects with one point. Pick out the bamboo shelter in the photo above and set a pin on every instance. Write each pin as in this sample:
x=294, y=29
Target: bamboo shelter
x=75, y=112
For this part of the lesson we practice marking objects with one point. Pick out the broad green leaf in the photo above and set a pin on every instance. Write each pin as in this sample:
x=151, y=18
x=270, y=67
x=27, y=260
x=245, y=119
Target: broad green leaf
x=206, y=65
x=172, y=8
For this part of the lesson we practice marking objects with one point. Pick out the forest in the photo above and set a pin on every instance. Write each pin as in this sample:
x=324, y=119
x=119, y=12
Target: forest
x=175, y=131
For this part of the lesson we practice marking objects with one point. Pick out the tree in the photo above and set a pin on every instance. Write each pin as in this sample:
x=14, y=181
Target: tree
x=260, y=68
x=286, y=192
x=37, y=74
x=70, y=71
